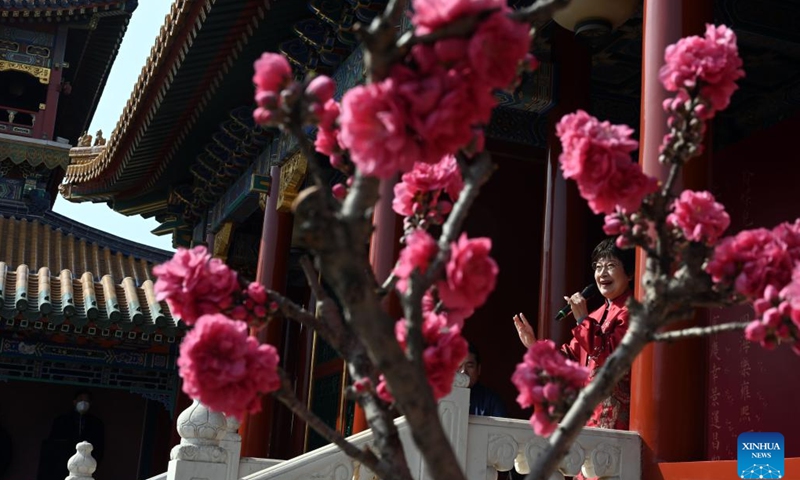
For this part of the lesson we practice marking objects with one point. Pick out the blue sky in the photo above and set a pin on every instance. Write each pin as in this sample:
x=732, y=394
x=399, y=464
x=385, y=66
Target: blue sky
x=142, y=32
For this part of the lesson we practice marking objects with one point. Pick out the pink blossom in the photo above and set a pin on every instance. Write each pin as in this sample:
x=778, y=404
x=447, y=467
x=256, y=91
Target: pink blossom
x=614, y=224
x=416, y=256
x=404, y=199
x=497, y=47
x=699, y=216
x=751, y=260
x=373, y=128
x=427, y=178
x=431, y=14
x=450, y=126
x=597, y=155
x=711, y=62
x=756, y=331
x=471, y=274
x=194, y=284
x=257, y=292
x=443, y=175
x=444, y=351
x=327, y=140
x=549, y=382
x=225, y=368
x=272, y=72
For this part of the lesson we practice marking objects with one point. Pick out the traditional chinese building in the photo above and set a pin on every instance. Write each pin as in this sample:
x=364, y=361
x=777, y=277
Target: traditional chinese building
x=185, y=151
x=77, y=307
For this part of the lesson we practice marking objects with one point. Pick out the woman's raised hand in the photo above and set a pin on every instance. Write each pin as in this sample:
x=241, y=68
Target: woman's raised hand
x=524, y=330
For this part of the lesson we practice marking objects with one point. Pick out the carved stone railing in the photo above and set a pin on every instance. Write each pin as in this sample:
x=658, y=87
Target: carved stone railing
x=210, y=449
x=500, y=444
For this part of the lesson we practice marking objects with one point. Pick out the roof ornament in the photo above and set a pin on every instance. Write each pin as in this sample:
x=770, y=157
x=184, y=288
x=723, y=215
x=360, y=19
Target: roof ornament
x=99, y=140
x=85, y=140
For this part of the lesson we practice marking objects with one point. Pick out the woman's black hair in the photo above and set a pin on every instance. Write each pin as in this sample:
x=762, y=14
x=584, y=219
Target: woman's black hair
x=608, y=248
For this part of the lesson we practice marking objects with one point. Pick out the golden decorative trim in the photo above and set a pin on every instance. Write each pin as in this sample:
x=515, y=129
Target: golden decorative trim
x=292, y=174
x=222, y=241
x=42, y=73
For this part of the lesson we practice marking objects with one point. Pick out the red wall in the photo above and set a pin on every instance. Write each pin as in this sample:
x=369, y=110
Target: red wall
x=750, y=388
x=27, y=410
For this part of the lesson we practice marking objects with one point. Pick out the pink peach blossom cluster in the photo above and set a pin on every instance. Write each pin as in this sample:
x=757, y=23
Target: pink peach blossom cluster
x=277, y=92
x=225, y=368
x=434, y=102
x=418, y=196
x=194, y=284
x=699, y=217
x=764, y=266
x=751, y=260
x=597, y=155
x=550, y=383
x=254, y=305
x=629, y=227
x=444, y=351
x=708, y=65
x=416, y=256
x=778, y=316
x=471, y=274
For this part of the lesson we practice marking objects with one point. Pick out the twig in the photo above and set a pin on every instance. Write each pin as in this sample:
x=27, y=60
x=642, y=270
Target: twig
x=697, y=331
x=366, y=457
x=335, y=332
x=388, y=284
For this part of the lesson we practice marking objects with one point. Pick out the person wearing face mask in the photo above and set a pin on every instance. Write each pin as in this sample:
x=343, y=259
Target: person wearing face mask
x=597, y=334
x=68, y=430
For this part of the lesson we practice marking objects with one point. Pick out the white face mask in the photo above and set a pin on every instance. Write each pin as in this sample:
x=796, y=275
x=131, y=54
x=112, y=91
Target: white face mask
x=82, y=407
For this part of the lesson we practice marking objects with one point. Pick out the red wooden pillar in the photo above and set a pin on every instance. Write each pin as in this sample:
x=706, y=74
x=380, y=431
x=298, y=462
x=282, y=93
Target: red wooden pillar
x=273, y=257
x=668, y=380
x=565, y=249
x=48, y=119
x=383, y=250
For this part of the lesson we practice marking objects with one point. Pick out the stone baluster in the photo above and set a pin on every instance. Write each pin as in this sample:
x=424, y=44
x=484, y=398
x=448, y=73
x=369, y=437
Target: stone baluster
x=81, y=466
x=454, y=414
x=232, y=443
x=199, y=456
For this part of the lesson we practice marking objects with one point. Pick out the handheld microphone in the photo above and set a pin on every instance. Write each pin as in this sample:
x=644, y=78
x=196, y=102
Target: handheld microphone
x=588, y=292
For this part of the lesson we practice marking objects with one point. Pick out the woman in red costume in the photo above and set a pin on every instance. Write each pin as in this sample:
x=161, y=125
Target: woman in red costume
x=598, y=333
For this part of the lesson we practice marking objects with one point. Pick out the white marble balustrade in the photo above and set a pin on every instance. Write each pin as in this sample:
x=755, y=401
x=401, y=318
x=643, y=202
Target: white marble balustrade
x=210, y=449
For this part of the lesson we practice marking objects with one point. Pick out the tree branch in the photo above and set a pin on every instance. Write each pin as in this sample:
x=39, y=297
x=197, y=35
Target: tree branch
x=286, y=396
x=694, y=332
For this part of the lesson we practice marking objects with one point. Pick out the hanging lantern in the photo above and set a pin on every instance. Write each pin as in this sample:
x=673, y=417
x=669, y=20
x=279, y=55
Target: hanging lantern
x=595, y=18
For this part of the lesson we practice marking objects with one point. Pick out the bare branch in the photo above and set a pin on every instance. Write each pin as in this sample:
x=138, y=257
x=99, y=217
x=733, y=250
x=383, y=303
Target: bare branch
x=286, y=396
x=379, y=40
x=698, y=331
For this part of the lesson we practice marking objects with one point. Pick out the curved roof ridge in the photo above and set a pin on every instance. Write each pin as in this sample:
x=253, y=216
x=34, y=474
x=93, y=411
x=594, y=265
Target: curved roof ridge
x=160, y=53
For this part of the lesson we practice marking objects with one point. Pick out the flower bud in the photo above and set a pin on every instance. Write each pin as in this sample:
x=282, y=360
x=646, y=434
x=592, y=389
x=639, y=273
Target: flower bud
x=339, y=191
x=322, y=88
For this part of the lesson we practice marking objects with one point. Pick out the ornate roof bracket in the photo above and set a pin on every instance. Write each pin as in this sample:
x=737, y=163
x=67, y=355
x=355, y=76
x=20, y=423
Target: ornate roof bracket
x=293, y=173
